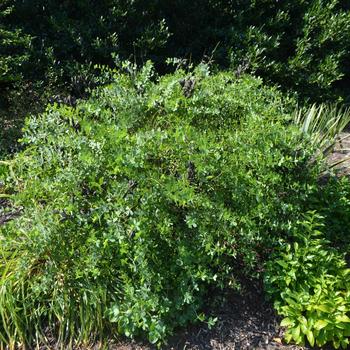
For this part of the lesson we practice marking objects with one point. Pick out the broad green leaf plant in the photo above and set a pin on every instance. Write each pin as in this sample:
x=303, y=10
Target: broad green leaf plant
x=310, y=284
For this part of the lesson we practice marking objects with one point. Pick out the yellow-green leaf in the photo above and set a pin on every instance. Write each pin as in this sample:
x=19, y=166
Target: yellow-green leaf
x=320, y=324
x=287, y=322
x=310, y=337
x=342, y=318
x=296, y=334
x=324, y=308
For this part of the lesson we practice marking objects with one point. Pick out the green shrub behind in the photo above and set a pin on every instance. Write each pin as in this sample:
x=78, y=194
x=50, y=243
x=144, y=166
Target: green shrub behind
x=14, y=46
x=301, y=45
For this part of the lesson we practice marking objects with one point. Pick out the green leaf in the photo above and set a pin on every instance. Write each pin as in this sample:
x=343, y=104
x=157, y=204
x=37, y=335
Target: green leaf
x=201, y=317
x=288, y=337
x=336, y=344
x=304, y=328
x=342, y=318
x=320, y=324
x=287, y=322
x=282, y=263
x=324, y=308
x=310, y=337
x=296, y=334
x=344, y=343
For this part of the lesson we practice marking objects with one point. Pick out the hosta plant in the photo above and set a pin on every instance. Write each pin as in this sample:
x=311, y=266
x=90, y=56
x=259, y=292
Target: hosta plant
x=310, y=284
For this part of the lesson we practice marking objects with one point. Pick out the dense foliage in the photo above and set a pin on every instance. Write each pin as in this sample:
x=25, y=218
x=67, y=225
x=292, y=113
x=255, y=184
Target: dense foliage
x=301, y=45
x=137, y=193
x=136, y=202
x=14, y=47
x=310, y=284
x=14, y=58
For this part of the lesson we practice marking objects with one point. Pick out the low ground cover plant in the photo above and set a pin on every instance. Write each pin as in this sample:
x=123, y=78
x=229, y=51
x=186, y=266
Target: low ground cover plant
x=132, y=205
x=310, y=283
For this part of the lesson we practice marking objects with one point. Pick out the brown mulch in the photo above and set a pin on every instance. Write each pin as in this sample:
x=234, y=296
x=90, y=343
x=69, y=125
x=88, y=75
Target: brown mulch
x=6, y=213
x=245, y=322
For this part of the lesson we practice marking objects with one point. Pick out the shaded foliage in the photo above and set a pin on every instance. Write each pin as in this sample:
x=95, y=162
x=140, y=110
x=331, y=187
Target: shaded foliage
x=301, y=45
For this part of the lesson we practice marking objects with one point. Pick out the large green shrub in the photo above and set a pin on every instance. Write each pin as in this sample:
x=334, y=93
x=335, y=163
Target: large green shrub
x=131, y=205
